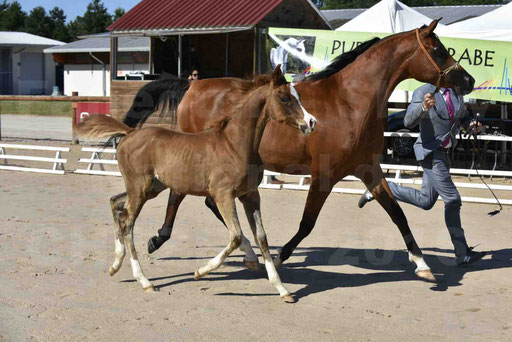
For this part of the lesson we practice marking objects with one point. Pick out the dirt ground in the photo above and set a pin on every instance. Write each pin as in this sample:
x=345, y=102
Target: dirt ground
x=351, y=276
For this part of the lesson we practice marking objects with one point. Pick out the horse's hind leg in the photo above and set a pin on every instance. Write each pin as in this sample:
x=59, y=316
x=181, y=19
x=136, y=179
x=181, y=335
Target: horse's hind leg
x=250, y=258
x=251, y=204
x=164, y=233
x=227, y=208
x=117, y=205
x=378, y=186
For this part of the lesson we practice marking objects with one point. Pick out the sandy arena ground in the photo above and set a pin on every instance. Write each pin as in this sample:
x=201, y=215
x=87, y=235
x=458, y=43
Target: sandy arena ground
x=351, y=276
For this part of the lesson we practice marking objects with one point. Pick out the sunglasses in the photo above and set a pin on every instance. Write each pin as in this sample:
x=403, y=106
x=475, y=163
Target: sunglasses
x=195, y=75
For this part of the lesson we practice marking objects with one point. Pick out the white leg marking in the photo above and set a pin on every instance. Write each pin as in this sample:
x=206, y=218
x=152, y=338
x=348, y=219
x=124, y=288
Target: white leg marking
x=246, y=247
x=119, y=254
x=420, y=263
x=137, y=273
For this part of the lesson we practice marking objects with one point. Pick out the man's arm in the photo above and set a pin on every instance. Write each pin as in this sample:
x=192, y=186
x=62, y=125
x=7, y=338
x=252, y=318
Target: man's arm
x=418, y=109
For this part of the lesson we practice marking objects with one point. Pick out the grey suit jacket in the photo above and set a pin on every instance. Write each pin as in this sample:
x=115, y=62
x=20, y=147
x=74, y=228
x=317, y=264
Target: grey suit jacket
x=434, y=123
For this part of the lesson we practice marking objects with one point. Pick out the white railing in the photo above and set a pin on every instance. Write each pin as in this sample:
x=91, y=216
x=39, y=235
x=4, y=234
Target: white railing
x=96, y=159
x=57, y=161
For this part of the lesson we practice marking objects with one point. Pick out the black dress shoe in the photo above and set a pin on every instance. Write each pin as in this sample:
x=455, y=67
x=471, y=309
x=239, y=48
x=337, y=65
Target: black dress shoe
x=365, y=198
x=470, y=257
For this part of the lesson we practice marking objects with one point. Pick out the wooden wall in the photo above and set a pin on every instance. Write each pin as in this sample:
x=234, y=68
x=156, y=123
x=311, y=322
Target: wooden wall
x=122, y=94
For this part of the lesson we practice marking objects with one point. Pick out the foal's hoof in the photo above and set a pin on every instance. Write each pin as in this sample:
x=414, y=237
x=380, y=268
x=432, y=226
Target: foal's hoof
x=427, y=275
x=197, y=275
x=112, y=271
x=150, y=288
x=289, y=299
x=252, y=265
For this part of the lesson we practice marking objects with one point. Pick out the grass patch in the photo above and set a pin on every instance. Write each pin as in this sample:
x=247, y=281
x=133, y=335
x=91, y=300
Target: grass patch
x=49, y=108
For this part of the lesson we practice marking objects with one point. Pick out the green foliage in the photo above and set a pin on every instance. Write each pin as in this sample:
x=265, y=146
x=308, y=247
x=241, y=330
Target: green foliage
x=118, y=13
x=96, y=19
x=59, y=29
x=12, y=17
x=38, y=23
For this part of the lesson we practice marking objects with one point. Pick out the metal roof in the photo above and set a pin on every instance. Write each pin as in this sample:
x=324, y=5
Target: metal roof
x=194, y=15
x=449, y=14
x=102, y=44
x=26, y=39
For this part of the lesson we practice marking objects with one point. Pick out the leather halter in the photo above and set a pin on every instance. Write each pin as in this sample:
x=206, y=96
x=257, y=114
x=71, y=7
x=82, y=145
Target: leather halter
x=441, y=73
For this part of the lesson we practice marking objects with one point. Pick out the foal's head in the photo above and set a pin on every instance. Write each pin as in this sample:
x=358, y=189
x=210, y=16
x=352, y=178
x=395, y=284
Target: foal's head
x=283, y=104
x=433, y=64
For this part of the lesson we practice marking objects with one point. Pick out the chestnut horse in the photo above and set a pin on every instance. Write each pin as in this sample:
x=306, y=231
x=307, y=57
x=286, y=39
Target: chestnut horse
x=349, y=98
x=221, y=163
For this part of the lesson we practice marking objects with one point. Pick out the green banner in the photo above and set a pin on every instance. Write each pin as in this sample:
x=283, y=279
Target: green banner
x=306, y=51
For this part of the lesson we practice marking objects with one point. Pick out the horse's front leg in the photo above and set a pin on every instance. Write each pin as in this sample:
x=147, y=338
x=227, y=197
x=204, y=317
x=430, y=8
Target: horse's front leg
x=164, y=233
x=319, y=190
x=378, y=186
x=227, y=208
x=251, y=204
x=250, y=258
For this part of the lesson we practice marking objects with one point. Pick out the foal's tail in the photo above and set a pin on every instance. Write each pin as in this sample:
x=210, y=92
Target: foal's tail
x=164, y=94
x=99, y=126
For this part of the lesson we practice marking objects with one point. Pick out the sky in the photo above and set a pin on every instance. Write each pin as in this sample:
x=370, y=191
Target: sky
x=73, y=8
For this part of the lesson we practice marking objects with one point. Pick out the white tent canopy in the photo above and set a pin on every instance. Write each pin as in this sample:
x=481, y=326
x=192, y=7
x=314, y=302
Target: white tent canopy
x=387, y=16
x=494, y=25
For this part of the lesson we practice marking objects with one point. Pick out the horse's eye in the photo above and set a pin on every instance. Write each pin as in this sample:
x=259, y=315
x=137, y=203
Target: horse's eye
x=285, y=99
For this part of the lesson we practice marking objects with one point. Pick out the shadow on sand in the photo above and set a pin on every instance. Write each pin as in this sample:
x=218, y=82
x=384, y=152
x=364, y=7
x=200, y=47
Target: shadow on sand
x=388, y=266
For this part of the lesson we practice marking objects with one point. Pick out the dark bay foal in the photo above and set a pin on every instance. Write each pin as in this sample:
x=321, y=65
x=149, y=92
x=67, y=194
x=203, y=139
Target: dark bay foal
x=222, y=163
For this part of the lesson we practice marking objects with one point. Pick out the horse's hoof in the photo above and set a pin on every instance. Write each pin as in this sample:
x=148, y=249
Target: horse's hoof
x=252, y=265
x=150, y=288
x=152, y=245
x=112, y=271
x=197, y=276
x=288, y=298
x=277, y=262
x=427, y=275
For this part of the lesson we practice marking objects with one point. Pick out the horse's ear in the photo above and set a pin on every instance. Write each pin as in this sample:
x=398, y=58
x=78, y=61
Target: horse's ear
x=278, y=77
x=430, y=28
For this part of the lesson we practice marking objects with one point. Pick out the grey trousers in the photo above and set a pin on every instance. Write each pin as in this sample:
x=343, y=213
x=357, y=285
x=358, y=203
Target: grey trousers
x=437, y=182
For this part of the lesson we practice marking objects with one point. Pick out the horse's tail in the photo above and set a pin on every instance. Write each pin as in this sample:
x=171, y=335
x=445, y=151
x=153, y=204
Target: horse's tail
x=164, y=94
x=102, y=126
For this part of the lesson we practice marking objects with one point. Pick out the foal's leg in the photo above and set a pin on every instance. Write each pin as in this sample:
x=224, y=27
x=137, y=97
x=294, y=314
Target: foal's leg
x=317, y=195
x=251, y=204
x=117, y=205
x=250, y=258
x=164, y=233
x=378, y=186
x=227, y=208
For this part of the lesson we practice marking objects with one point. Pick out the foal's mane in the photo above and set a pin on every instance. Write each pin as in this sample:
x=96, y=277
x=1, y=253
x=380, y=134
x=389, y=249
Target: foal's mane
x=342, y=61
x=243, y=88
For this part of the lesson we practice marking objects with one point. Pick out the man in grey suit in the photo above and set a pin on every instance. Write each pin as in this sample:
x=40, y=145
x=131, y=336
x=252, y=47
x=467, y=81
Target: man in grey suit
x=440, y=117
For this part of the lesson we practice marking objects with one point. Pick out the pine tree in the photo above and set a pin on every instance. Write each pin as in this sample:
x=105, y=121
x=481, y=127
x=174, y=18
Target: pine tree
x=38, y=23
x=58, y=21
x=96, y=19
x=12, y=17
x=118, y=13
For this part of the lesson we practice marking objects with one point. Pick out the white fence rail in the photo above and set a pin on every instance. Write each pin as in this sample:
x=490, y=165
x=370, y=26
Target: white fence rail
x=57, y=161
x=96, y=159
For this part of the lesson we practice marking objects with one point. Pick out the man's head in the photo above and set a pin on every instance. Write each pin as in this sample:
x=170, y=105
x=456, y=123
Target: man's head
x=194, y=75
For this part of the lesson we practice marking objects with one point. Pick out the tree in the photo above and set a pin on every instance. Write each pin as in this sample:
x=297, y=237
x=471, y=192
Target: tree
x=38, y=23
x=118, y=13
x=76, y=28
x=58, y=23
x=12, y=17
x=96, y=19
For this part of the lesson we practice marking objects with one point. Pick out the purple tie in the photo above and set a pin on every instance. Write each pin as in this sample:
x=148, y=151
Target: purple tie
x=451, y=112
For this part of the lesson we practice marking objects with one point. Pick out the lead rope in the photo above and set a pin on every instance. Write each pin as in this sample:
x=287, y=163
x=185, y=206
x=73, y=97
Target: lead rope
x=475, y=138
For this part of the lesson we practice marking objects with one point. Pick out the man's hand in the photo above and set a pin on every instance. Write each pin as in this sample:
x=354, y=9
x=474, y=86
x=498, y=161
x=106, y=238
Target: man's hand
x=429, y=100
x=478, y=126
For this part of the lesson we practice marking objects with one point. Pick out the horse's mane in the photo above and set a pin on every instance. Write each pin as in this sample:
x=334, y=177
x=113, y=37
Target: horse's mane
x=342, y=61
x=243, y=88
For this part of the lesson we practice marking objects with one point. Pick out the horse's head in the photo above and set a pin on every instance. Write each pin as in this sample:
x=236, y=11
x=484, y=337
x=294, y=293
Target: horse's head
x=283, y=104
x=433, y=64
